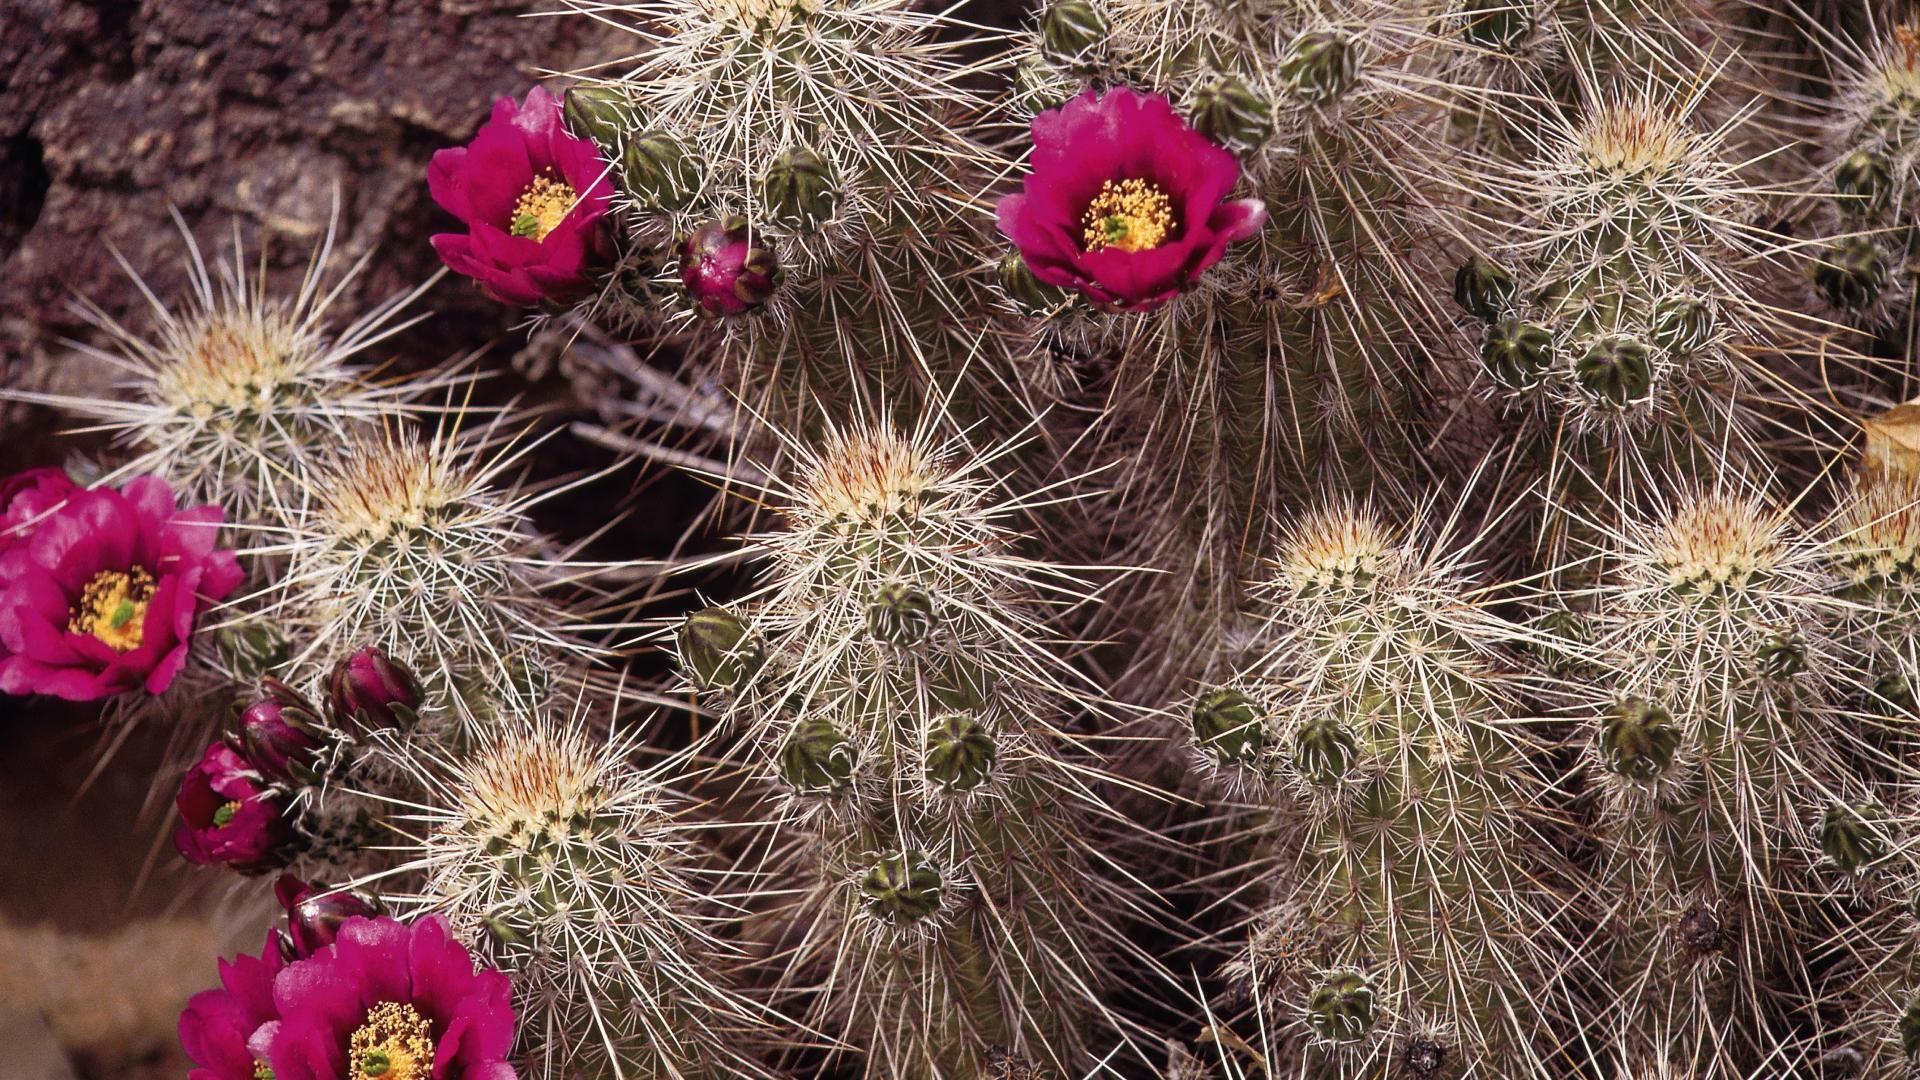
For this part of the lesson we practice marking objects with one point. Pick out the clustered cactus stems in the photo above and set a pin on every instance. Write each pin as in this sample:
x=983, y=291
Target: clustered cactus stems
x=1411, y=884
x=897, y=687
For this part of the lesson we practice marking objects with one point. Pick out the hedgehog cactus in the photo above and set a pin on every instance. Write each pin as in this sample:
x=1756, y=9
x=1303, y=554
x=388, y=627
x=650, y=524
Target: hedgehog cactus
x=894, y=675
x=1377, y=724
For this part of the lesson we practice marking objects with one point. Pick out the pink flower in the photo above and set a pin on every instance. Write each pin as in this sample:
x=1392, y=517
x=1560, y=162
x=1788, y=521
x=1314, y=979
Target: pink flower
x=103, y=594
x=725, y=270
x=531, y=195
x=279, y=734
x=216, y=1025
x=1126, y=203
x=28, y=497
x=229, y=816
x=372, y=691
x=405, y=999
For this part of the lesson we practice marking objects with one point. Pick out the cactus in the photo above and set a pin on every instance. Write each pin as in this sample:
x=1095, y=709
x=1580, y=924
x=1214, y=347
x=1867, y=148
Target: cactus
x=1411, y=884
x=897, y=684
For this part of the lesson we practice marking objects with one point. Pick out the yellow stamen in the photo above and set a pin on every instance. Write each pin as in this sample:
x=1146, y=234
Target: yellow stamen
x=1132, y=215
x=542, y=207
x=113, y=608
x=396, y=1043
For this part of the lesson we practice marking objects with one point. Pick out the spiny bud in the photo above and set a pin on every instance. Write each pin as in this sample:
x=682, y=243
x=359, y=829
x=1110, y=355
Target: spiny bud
x=1483, y=287
x=1227, y=724
x=1568, y=640
x=1426, y=1059
x=1616, y=369
x=1866, y=177
x=660, y=171
x=960, y=752
x=1320, y=66
x=1781, y=656
x=1699, y=932
x=1496, y=24
x=1031, y=295
x=798, y=190
x=902, y=888
x=900, y=614
x=1340, y=1009
x=1851, y=274
x=1682, y=324
x=1638, y=739
x=1231, y=112
x=720, y=651
x=1516, y=353
x=371, y=690
x=1070, y=28
x=597, y=113
x=314, y=916
x=817, y=757
x=1852, y=837
x=1910, y=1029
x=279, y=734
x=1893, y=689
x=725, y=268
x=1323, y=749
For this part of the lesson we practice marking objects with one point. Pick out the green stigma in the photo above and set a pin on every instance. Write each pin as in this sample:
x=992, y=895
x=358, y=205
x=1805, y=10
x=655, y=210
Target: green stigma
x=224, y=816
x=525, y=225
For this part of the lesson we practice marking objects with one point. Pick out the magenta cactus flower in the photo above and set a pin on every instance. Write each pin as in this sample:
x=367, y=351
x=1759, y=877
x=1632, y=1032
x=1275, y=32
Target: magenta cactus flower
x=104, y=593
x=726, y=271
x=279, y=734
x=389, y=1000
x=229, y=816
x=1126, y=202
x=28, y=497
x=531, y=195
x=216, y=1024
x=315, y=916
x=372, y=691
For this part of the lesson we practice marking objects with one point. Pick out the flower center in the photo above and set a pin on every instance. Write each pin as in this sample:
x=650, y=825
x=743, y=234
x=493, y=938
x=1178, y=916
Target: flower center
x=396, y=1043
x=113, y=608
x=542, y=207
x=1132, y=215
x=224, y=816
x=262, y=1071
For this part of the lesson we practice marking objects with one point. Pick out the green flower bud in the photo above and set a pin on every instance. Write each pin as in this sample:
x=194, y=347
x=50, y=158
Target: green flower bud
x=1496, y=24
x=1323, y=749
x=1615, y=369
x=1893, y=689
x=1781, y=656
x=1853, y=837
x=817, y=758
x=1320, y=66
x=659, y=171
x=902, y=888
x=1910, y=1029
x=1483, y=287
x=1039, y=86
x=1851, y=274
x=1516, y=353
x=1227, y=725
x=719, y=651
x=1638, y=739
x=597, y=113
x=1031, y=295
x=900, y=614
x=1232, y=113
x=1340, y=1009
x=1682, y=325
x=1867, y=178
x=798, y=190
x=1070, y=28
x=960, y=752
x=1568, y=640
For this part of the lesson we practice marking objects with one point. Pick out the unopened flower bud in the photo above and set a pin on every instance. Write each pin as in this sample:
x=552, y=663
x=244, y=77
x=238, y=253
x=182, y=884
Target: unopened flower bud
x=798, y=190
x=1031, y=295
x=1323, y=749
x=1231, y=112
x=371, y=690
x=1340, y=1009
x=902, y=888
x=1910, y=1029
x=1683, y=324
x=659, y=171
x=960, y=752
x=1496, y=24
x=1853, y=837
x=314, y=916
x=1227, y=724
x=1638, y=739
x=817, y=758
x=1483, y=287
x=1616, y=370
x=1851, y=274
x=900, y=614
x=720, y=651
x=597, y=113
x=1320, y=66
x=1070, y=28
x=1516, y=353
x=1781, y=656
x=1892, y=688
x=1866, y=177
x=279, y=734
x=725, y=268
